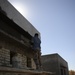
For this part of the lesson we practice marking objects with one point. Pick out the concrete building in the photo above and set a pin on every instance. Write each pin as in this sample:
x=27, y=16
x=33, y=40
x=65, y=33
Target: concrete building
x=55, y=63
x=15, y=35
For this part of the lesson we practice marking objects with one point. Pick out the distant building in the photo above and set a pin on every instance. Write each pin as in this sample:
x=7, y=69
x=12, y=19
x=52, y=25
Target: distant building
x=55, y=63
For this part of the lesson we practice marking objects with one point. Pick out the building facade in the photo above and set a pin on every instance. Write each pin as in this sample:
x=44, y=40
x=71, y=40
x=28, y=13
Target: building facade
x=15, y=35
x=55, y=63
x=16, y=54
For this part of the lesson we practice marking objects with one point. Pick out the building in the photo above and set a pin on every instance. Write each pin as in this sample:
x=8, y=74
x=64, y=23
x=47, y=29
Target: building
x=55, y=63
x=15, y=35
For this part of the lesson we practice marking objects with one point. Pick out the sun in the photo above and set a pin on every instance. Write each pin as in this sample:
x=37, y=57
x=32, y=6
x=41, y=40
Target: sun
x=21, y=8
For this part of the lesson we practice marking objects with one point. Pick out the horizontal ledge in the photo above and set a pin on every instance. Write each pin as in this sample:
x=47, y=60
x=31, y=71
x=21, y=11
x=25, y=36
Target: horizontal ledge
x=17, y=70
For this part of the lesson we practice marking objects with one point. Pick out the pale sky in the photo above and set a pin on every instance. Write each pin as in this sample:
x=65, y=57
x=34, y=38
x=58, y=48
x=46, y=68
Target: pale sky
x=55, y=20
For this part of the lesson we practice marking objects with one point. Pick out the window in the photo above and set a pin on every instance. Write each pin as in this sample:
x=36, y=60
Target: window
x=11, y=55
x=63, y=70
x=28, y=62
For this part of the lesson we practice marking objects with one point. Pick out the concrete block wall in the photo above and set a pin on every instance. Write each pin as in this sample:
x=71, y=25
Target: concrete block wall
x=6, y=47
x=4, y=57
x=4, y=53
x=33, y=64
x=24, y=61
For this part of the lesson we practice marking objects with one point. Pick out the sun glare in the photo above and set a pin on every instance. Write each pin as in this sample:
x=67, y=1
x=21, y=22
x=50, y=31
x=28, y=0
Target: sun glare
x=22, y=9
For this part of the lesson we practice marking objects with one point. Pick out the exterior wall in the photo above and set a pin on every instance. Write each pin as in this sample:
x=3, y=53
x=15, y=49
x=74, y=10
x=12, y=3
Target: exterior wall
x=33, y=64
x=50, y=63
x=24, y=60
x=18, y=43
x=14, y=15
x=4, y=57
x=53, y=63
x=8, y=45
x=63, y=65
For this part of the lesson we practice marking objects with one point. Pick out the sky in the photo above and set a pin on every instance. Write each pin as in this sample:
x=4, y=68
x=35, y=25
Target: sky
x=55, y=20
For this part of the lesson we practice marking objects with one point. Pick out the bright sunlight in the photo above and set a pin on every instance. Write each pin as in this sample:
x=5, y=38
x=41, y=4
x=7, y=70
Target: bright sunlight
x=21, y=9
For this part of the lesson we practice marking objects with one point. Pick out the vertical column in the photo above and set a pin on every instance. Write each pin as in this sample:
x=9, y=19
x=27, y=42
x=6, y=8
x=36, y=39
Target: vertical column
x=24, y=61
x=33, y=64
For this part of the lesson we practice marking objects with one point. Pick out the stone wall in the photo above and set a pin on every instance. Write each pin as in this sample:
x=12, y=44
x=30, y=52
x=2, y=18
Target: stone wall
x=4, y=57
x=8, y=46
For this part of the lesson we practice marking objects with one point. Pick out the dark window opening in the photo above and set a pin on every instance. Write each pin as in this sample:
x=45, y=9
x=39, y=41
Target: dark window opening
x=28, y=62
x=11, y=55
x=63, y=70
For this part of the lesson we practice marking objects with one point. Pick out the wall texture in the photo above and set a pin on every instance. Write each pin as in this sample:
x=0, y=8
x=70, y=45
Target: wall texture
x=55, y=63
